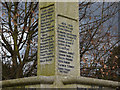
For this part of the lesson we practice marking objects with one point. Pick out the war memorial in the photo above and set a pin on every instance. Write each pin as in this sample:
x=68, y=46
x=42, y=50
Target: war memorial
x=58, y=63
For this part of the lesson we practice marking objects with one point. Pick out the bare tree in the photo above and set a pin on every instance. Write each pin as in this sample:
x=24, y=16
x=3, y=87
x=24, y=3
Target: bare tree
x=19, y=38
x=98, y=36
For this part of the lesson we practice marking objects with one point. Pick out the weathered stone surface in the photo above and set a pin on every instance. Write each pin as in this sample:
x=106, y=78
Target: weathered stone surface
x=58, y=53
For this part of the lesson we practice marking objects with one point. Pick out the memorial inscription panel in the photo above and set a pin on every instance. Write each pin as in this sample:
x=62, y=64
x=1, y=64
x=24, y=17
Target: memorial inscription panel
x=58, y=39
x=47, y=35
x=66, y=37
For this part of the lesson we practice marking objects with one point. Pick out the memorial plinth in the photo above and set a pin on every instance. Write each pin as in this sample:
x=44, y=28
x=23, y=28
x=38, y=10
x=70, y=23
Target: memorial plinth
x=58, y=39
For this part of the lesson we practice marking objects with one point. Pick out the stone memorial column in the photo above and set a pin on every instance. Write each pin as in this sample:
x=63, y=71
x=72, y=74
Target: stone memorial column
x=58, y=39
